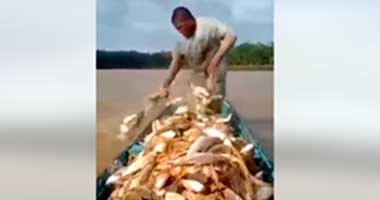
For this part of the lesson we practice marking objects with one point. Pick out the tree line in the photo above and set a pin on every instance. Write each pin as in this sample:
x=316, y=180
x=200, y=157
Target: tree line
x=245, y=54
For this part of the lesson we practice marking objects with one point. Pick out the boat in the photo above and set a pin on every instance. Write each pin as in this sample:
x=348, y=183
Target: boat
x=241, y=129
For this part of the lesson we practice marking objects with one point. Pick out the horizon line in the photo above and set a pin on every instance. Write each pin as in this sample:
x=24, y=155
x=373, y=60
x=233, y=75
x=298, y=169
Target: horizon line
x=166, y=50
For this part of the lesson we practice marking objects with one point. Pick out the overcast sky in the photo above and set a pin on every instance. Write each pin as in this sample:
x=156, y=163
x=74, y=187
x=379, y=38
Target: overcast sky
x=144, y=25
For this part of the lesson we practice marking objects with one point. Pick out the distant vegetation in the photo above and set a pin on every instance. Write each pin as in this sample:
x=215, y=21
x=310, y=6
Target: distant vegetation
x=131, y=60
x=246, y=56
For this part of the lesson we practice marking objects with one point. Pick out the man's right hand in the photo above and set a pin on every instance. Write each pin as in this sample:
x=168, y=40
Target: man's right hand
x=164, y=91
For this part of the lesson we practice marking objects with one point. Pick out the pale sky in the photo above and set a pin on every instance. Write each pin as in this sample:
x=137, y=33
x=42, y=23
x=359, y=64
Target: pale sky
x=144, y=25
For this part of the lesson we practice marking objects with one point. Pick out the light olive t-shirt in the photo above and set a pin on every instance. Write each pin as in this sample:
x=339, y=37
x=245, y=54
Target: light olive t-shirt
x=207, y=37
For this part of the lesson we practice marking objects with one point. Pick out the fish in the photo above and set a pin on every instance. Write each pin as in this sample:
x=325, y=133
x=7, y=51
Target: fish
x=199, y=159
x=120, y=192
x=247, y=149
x=148, y=139
x=134, y=182
x=213, y=132
x=174, y=119
x=202, y=144
x=224, y=120
x=156, y=126
x=161, y=180
x=160, y=148
x=114, y=178
x=198, y=176
x=200, y=124
x=132, y=196
x=188, y=194
x=129, y=118
x=173, y=196
x=220, y=148
x=181, y=110
x=146, y=173
x=144, y=192
x=192, y=130
x=138, y=164
x=233, y=178
x=114, y=194
x=230, y=195
x=238, y=159
x=227, y=142
x=193, y=185
x=264, y=193
x=168, y=134
x=159, y=193
x=259, y=175
x=124, y=128
x=224, y=128
x=200, y=91
x=264, y=190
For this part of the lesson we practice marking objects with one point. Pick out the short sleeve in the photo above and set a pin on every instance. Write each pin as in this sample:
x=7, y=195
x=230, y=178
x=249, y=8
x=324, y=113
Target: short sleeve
x=222, y=29
x=177, y=48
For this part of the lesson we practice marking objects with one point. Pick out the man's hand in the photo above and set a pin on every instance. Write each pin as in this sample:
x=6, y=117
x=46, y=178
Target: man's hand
x=226, y=43
x=164, y=91
x=212, y=71
x=210, y=84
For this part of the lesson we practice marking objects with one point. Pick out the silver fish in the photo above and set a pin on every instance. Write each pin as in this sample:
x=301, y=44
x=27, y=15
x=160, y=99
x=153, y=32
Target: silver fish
x=193, y=185
x=224, y=120
x=161, y=180
x=202, y=144
x=138, y=164
x=213, y=132
x=199, y=158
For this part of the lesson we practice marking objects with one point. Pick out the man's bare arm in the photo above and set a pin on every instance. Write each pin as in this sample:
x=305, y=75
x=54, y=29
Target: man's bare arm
x=175, y=66
x=208, y=57
x=225, y=44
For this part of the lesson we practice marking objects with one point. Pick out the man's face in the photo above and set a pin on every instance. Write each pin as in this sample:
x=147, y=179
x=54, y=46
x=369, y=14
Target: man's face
x=185, y=26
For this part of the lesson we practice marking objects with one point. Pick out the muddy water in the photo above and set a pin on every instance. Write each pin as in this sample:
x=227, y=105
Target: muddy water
x=121, y=92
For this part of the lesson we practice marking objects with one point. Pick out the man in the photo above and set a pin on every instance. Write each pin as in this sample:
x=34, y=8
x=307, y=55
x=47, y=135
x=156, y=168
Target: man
x=203, y=48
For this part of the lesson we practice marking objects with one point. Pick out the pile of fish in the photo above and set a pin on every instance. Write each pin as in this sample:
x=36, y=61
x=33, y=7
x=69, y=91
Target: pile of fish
x=192, y=155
